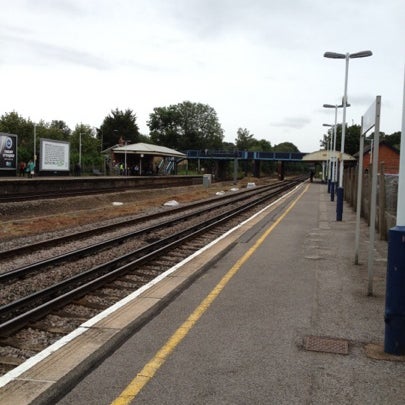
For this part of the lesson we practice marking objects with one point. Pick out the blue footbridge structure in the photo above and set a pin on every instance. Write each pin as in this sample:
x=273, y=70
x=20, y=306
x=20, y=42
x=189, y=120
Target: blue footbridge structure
x=244, y=155
x=222, y=156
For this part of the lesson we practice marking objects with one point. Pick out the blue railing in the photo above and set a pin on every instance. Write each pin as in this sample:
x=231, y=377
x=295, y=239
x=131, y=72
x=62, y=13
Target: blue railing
x=243, y=155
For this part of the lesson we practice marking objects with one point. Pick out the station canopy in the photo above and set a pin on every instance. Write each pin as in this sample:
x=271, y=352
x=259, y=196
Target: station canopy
x=323, y=155
x=147, y=149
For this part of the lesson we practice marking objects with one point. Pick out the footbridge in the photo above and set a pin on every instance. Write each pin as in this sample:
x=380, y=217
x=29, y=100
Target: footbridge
x=221, y=156
x=244, y=155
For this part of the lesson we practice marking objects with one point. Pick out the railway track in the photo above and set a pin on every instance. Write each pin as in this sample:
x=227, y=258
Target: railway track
x=128, y=222
x=38, y=318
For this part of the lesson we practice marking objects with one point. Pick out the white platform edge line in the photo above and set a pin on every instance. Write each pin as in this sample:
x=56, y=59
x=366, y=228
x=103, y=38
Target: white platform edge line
x=22, y=368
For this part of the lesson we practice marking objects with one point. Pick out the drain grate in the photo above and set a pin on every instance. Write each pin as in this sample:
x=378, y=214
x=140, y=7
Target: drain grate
x=326, y=345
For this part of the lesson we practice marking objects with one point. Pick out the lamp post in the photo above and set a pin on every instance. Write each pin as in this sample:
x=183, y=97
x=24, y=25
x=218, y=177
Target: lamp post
x=125, y=160
x=35, y=146
x=235, y=167
x=118, y=141
x=333, y=160
x=347, y=56
x=140, y=164
x=100, y=133
x=330, y=172
x=80, y=149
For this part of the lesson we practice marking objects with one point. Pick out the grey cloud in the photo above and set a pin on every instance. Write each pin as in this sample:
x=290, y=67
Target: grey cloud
x=363, y=99
x=261, y=20
x=201, y=19
x=44, y=52
x=292, y=122
x=72, y=56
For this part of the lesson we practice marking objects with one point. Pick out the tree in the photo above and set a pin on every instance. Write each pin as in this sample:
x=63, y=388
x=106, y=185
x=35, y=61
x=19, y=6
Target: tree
x=394, y=139
x=228, y=146
x=186, y=126
x=285, y=147
x=352, y=139
x=58, y=129
x=262, y=146
x=119, y=126
x=244, y=139
x=13, y=123
x=84, y=140
x=326, y=140
x=165, y=126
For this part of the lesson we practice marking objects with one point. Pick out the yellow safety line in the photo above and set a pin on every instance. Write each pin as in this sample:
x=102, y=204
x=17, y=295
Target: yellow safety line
x=147, y=373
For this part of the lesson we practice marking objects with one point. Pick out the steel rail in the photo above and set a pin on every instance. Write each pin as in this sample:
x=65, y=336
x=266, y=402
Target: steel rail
x=77, y=253
x=105, y=228
x=108, y=271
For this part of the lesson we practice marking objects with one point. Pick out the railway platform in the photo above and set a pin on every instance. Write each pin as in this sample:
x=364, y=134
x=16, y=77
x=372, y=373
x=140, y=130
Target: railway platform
x=19, y=188
x=276, y=312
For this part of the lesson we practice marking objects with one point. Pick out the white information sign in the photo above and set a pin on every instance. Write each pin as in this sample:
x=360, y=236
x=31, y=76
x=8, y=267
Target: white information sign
x=369, y=119
x=54, y=155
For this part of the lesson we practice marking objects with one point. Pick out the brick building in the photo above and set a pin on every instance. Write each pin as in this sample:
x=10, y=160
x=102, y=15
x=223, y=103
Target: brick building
x=387, y=155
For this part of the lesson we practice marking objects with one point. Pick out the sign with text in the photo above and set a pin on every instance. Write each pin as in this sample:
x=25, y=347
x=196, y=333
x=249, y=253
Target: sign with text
x=54, y=155
x=8, y=151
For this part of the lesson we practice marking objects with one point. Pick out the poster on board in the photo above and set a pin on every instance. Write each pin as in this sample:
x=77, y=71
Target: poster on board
x=54, y=155
x=8, y=151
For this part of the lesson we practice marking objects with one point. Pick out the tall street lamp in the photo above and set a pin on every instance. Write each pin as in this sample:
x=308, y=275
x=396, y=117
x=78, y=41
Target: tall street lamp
x=333, y=160
x=80, y=149
x=330, y=160
x=347, y=56
x=35, y=146
x=99, y=133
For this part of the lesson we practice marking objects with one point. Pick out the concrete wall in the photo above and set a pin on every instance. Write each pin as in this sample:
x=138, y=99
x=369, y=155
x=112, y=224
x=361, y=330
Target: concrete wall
x=17, y=185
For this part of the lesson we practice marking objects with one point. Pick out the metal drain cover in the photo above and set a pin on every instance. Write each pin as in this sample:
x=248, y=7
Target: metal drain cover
x=326, y=345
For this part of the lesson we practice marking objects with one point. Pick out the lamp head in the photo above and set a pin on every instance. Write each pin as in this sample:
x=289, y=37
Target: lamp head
x=361, y=54
x=335, y=106
x=334, y=55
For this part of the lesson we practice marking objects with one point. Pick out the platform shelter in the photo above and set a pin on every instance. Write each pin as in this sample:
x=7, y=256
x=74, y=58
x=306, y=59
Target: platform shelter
x=142, y=159
x=327, y=158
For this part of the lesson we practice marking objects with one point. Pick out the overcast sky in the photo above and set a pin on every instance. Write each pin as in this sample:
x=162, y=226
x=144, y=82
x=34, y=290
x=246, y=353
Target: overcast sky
x=258, y=63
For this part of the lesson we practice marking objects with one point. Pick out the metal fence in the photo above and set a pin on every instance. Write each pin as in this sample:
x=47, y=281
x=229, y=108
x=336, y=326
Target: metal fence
x=387, y=196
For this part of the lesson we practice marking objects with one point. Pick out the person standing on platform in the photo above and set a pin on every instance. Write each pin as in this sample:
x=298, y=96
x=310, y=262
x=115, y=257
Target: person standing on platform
x=30, y=169
x=22, y=169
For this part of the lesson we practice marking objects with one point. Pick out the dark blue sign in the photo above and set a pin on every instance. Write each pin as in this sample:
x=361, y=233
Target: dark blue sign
x=8, y=151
